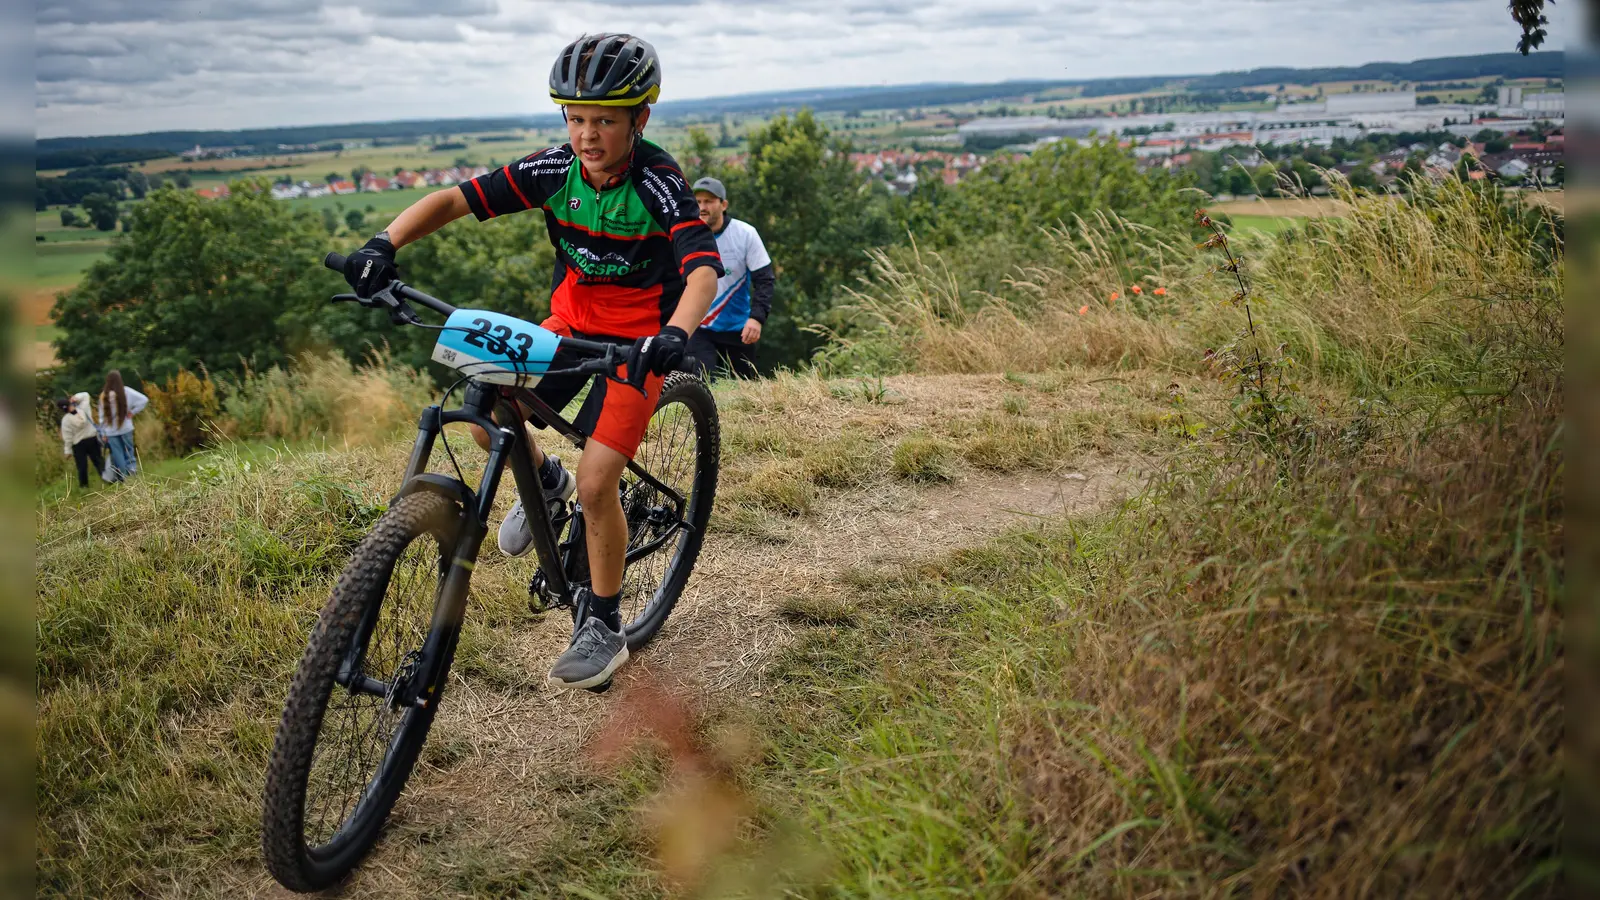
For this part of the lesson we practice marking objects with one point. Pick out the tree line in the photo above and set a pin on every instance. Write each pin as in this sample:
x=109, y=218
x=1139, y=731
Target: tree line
x=237, y=283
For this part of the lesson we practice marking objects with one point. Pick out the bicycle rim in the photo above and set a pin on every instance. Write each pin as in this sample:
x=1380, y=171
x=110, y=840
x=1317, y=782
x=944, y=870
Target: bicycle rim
x=672, y=452
x=363, y=736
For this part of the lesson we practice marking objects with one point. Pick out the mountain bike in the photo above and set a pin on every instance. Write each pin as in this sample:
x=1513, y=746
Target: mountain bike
x=375, y=668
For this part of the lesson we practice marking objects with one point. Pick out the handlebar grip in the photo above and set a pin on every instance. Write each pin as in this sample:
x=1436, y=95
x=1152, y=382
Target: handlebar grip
x=334, y=261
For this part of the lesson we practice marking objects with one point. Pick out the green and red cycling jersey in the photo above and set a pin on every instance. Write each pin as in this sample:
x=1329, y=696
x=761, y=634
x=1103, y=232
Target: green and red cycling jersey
x=624, y=251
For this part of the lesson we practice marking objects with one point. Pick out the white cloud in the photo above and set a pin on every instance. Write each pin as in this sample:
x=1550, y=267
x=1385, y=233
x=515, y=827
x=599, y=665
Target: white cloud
x=108, y=66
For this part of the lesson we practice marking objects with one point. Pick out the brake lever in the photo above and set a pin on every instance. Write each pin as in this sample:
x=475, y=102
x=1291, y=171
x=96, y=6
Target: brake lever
x=401, y=313
x=345, y=298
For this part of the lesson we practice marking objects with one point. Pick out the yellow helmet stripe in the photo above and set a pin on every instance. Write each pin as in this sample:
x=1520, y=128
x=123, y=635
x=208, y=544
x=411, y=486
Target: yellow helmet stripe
x=649, y=97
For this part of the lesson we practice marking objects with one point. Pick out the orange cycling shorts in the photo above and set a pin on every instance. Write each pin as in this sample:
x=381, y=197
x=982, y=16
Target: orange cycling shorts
x=616, y=415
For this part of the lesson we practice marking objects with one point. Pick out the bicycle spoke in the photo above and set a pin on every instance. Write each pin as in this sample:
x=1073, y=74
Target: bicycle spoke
x=358, y=728
x=668, y=453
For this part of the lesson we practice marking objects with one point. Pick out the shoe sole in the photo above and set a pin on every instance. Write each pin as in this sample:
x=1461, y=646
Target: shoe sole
x=594, y=680
x=569, y=486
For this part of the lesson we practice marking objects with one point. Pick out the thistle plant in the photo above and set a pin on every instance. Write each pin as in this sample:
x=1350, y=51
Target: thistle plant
x=1263, y=389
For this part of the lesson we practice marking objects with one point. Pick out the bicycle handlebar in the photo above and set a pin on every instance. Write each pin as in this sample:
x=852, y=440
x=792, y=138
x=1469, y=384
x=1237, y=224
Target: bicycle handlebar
x=605, y=364
x=335, y=261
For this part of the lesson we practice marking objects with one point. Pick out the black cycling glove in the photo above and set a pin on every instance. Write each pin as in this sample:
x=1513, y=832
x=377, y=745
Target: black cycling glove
x=370, y=269
x=659, y=354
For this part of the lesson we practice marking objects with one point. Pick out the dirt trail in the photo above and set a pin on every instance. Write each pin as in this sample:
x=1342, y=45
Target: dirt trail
x=514, y=747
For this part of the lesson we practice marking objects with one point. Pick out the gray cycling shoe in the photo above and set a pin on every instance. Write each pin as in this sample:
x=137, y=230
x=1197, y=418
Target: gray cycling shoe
x=595, y=654
x=516, y=538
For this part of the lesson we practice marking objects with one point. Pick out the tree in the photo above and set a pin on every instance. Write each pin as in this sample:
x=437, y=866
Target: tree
x=331, y=177
x=183, y=180
x=1530, y=17
x=355, y=219
x=102, y=211
x=817, y=217
x=196, y=283
x=330, y=221
x=699, y=157
x=69, y=218
x=138, y=183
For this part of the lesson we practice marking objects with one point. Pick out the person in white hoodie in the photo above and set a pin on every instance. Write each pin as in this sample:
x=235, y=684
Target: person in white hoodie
x=79, y=439
x=118, y=405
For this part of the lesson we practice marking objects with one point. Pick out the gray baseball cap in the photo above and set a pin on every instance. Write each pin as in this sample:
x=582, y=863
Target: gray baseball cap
x=712, y=186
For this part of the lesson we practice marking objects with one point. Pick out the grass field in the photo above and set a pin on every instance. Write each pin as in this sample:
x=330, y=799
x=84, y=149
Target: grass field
x=1267, y=224
x=1293, y=207
x=62, y=264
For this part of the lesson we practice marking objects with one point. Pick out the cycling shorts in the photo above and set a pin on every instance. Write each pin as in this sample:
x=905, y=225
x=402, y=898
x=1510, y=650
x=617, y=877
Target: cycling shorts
x=616, y=415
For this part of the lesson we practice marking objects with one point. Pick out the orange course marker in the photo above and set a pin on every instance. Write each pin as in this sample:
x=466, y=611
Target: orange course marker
x=1083, y=310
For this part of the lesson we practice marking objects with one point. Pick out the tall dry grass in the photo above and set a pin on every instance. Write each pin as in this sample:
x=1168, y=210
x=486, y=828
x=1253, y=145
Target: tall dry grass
x=1328, y=663
x=1387, y=287
x=325, y=398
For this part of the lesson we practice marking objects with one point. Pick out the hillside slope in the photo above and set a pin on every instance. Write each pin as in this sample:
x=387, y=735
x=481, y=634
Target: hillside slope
x=1318, y=651
x=172, y=613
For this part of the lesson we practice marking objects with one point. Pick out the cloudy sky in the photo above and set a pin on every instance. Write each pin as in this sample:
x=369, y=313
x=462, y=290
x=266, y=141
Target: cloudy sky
x=120, y=66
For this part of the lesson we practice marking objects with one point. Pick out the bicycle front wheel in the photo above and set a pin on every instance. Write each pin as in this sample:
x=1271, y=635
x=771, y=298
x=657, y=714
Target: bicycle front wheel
x=682, y=450
x=346, y=745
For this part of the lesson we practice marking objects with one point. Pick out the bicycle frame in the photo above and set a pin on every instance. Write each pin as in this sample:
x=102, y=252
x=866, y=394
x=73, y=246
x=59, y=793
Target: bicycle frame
x=485, y=406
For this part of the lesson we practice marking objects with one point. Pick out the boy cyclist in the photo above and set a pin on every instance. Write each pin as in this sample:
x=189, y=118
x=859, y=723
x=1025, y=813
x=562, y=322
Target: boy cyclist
x=635, y=265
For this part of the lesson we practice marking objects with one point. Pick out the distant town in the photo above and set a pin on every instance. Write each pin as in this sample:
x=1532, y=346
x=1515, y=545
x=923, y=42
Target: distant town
x=1165, y=140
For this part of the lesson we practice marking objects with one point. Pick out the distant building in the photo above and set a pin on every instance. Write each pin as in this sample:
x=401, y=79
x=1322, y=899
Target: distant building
x=1025, y=127
x=1353, y=104
x=1304, y=130
x=1546, y=103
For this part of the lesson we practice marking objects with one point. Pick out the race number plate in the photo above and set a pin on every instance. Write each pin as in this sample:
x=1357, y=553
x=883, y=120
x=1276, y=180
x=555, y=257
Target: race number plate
x=496, y=348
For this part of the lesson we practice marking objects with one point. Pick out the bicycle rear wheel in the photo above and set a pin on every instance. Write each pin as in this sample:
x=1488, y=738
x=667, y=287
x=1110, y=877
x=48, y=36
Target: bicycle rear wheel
x=681, y=449
x=342, y=755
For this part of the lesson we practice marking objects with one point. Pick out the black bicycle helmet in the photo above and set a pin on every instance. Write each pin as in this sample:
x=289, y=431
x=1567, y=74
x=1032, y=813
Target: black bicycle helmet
x=606, y=70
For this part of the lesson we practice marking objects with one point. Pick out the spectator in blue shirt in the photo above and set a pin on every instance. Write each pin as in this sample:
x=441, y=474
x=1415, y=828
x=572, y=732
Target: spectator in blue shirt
x=731, y=329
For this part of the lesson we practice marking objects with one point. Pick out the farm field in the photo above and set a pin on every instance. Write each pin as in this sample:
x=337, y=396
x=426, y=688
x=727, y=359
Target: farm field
x=1293, y=207
x=1267, y=224
x=62, y=264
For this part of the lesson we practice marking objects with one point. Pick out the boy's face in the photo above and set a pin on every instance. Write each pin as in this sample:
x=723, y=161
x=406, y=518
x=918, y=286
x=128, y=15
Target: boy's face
x=603, y=135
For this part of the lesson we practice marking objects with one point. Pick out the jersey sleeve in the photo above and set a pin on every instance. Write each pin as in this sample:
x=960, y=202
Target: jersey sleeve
x=755, y=254
x=669, y=199
x=524, y=184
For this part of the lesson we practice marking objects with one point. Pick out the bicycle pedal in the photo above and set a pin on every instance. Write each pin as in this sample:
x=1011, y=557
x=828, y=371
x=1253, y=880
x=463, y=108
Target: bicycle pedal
x=601, y=688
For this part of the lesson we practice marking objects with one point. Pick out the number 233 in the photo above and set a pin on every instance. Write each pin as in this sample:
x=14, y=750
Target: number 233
x=498, y=339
